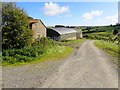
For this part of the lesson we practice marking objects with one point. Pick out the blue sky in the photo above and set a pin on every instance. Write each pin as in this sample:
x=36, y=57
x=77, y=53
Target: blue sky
x=72, y=13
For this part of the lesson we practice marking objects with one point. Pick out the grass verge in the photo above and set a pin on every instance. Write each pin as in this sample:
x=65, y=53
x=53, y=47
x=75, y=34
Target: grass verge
x=108, y=47
x=72, y=41
x=50, y=50
x=53, y=53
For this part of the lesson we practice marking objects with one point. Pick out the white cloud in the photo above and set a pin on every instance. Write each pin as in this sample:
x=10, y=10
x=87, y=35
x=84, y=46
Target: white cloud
x=109, y=19
x=90, y=15
x=52, y=9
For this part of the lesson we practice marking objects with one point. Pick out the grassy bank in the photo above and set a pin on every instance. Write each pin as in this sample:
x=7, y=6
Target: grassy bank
x=41, y=51
x=53, y=53
x=72, y=41
x=108, y=47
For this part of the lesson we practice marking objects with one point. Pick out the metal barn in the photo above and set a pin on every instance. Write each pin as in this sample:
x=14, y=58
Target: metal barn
x=61, y=33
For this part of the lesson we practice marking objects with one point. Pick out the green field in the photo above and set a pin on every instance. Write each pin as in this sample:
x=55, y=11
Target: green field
x=106, y=33
x=72, y=41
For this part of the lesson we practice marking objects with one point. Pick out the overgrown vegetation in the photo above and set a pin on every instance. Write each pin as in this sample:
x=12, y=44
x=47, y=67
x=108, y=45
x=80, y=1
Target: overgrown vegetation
x=15, y=27
x=110, y=48
x=72, y=41
x=43, y=47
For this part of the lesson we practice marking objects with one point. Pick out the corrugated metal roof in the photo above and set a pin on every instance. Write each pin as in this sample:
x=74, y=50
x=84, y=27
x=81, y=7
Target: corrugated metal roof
x=62, y=30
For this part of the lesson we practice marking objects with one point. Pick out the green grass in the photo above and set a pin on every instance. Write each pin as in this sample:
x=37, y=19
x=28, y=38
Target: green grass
x=53, y=53
x=106, y=28
x=101, y=34
x=52, y=50
x=41, y=50
x=106, y=34
x=109, y=48
x=72, y=41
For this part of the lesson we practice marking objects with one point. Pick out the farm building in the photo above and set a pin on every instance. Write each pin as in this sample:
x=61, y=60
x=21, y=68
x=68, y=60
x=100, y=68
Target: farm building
x=62, y=33
x=38, y=27
x=79, y=34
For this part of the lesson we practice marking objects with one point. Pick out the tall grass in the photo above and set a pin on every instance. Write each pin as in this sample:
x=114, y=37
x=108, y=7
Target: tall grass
x=42, y=49
x=72, y=41
x=109, y=47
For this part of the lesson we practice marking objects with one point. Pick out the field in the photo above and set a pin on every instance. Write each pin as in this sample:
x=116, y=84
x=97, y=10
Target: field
x=106, y=33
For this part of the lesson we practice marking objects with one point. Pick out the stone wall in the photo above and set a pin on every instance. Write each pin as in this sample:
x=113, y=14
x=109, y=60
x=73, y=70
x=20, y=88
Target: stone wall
x=38, y=29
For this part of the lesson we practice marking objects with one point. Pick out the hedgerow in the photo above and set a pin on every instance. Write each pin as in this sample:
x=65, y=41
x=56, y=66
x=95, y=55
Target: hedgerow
x=28, y=53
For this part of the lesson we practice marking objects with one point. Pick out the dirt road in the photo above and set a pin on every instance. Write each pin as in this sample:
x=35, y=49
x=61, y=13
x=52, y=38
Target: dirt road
x=89, y=67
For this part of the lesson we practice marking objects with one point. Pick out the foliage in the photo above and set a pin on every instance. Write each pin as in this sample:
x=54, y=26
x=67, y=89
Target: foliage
x=106, y=36
x=27, y=53
x=108, y=46
x=15, y=31
x=42, y=48
x=72, y=41
x=106, y=28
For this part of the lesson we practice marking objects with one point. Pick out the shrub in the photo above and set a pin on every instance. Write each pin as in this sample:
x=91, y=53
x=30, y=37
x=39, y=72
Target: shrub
x=21, y=58
x=9, y=59
x=28, y=53
x=15, y=31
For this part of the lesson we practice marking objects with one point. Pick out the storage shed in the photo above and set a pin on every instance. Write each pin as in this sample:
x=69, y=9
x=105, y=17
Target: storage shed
x=61, y=33
x=38, y=27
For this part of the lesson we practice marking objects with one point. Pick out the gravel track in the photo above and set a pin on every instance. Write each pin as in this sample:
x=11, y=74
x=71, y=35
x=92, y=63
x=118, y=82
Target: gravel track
x=89, y=67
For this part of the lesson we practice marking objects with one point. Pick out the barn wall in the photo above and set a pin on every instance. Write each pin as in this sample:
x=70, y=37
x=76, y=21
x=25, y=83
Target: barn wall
x=79, y=34
x=69, y=36
x=39, y=30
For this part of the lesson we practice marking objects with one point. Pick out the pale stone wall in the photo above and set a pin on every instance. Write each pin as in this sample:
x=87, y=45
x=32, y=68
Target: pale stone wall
x=38, y=29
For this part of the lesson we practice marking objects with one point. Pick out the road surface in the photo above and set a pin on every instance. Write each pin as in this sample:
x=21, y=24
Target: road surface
x=89, y=68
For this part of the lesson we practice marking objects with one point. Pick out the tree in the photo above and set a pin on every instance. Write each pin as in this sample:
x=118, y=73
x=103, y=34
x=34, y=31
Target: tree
x=15, y=30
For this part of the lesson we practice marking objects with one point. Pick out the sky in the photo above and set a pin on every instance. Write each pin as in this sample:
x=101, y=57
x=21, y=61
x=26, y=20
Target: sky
x=72, y=13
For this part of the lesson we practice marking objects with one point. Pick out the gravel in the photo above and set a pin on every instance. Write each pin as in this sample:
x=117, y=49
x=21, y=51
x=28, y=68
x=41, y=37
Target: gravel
x=86, y=67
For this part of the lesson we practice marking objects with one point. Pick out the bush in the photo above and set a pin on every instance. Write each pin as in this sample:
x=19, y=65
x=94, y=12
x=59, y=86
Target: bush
x=21, y=58
x=9, y=59
x=29, y=53
x=15, y=31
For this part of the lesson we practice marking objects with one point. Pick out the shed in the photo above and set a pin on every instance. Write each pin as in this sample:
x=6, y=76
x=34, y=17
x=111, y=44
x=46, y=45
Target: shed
x=79, y=34
x=61, y=33
x=38, y=27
